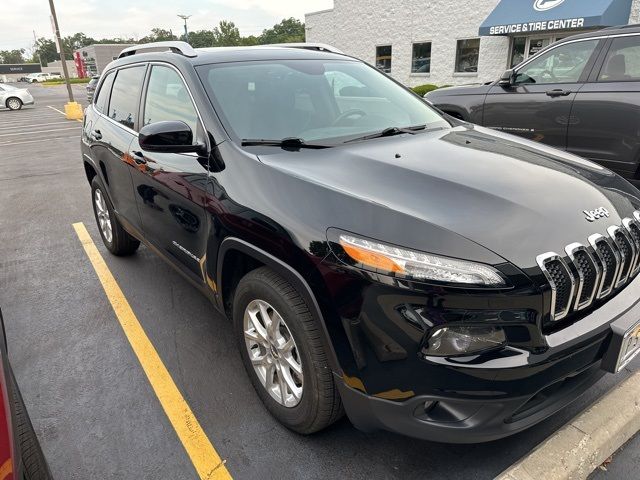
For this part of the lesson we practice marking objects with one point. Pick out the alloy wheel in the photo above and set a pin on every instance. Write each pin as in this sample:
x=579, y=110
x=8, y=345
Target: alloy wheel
x=102, y=212
x=14, y=104
x=273, y=353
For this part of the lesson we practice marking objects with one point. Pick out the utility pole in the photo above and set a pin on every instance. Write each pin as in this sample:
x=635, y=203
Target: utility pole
x=72, y=109
x=61, y=47
x=186, y=33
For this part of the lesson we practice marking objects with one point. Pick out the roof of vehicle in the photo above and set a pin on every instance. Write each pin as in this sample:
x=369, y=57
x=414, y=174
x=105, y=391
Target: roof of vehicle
x=618, y=30
x=202, y=56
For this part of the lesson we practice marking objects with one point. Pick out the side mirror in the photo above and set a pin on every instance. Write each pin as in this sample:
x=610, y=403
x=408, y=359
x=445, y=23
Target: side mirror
x=507, y=79
x=168, y=137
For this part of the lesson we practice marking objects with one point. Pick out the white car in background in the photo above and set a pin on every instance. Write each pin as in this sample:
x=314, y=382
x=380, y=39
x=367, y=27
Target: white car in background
x=14, y=98
x=42, y=77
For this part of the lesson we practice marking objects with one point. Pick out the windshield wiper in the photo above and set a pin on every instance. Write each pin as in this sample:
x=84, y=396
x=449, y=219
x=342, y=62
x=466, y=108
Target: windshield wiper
x=290, y=142
x=390, y=132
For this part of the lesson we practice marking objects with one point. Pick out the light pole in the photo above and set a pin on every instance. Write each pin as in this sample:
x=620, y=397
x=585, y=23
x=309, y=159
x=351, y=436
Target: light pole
x=72, y=109
x=186, y=33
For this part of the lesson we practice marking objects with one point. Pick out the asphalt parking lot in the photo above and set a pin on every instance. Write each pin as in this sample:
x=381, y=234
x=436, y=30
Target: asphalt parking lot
x=90, y=401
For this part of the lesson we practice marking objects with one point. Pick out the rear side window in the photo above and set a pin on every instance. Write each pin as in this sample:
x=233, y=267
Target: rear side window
x=102, y=98
x=125, y=95
x=623, y=61
x=168, y=99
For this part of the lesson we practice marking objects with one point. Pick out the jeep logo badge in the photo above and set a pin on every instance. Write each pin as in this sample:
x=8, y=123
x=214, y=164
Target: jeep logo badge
x=593, y=215
x=544, y=5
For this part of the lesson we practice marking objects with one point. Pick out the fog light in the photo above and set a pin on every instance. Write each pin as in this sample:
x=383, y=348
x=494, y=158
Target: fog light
x=451, y=341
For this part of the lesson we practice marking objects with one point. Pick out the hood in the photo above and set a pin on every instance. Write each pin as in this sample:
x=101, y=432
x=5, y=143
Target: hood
x=516, y=198
x=461, y=90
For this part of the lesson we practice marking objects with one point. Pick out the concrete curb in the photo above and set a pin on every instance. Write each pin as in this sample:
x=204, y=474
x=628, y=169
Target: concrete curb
x=576, y=450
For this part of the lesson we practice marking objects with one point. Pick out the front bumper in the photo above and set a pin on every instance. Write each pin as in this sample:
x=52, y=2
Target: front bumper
x=513, y=396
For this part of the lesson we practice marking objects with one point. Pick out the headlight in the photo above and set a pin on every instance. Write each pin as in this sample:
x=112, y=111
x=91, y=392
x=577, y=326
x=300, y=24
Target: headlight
x=452, y=341
x=411, y=264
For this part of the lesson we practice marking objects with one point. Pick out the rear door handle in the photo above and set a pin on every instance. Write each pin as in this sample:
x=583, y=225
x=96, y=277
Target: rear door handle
x=558, y=92
x=138, y=157
x=95, y=135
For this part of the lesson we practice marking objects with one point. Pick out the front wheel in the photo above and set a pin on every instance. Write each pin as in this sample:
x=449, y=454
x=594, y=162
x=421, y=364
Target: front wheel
x=281, y=347
x=14, y=103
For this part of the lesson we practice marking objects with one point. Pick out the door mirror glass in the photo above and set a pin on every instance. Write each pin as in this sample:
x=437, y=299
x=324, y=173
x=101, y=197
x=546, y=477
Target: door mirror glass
x=506, y=80
x=169, y=136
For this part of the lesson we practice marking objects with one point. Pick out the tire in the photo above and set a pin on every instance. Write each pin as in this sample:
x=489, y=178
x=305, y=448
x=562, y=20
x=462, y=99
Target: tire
x=13, y=103
x=117, y=240
x=319, y=404
x=34, y=464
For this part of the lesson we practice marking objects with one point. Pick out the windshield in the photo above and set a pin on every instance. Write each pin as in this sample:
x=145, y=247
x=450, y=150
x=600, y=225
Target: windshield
x=311, y=100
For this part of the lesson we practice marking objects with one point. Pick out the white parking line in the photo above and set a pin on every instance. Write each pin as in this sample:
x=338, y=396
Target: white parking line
x=39, y=131
x=2, y=144
x=54, y=108
x=33, y=125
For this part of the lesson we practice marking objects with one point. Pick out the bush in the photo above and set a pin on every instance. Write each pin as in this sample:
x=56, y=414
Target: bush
x=423, y=89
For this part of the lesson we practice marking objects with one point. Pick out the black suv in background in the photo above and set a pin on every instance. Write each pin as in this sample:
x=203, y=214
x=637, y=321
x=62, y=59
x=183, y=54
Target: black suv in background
x=425, y=275
x=581, y=94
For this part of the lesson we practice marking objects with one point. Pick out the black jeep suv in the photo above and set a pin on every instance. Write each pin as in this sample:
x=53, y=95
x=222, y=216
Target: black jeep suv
x=581, y=94
x=425, y=275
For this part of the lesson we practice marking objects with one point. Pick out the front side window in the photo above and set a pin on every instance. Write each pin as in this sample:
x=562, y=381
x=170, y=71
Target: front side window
x=313, y=100
x=102, y=98
x=623, y=61
x=125, y=95
x=421, y=58
x=563, y=64
x=167, y=99
x=383, y=58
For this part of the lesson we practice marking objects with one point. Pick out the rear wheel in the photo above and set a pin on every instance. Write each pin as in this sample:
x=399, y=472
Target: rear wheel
x=281, y=347
x=14, y=103
x=117, y=240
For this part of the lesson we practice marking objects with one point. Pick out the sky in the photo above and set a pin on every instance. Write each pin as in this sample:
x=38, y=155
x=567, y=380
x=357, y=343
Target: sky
x=136, y=18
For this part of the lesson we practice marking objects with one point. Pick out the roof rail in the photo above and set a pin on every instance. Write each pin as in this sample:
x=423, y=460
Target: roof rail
x=322, y=47
x=623, y=27
x=183, y=48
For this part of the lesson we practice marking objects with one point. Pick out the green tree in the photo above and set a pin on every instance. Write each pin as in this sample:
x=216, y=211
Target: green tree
x=76, y=41
x=226, y=34
x=158, y=35
x=202, y=39
x=249, y=41
x=12, y=56
x=289, y=30
x=45, y=51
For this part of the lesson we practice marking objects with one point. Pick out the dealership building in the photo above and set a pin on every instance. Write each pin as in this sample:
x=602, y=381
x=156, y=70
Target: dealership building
x=449, y=42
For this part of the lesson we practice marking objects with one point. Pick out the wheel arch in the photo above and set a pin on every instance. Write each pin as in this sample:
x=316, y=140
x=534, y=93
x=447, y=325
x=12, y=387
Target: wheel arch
x=235, y=246
x=6, y=102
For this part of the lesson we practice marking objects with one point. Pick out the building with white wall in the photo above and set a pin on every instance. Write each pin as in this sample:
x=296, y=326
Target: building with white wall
x=452, y=42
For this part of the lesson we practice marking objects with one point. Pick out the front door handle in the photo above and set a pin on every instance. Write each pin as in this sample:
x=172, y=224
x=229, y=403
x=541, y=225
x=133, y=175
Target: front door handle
x=558, y=92
x=95, y=135
x=138, y=157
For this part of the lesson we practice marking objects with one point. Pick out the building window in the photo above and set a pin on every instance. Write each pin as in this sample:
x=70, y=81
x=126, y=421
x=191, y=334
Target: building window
x=383, y=58
x=518, y=49
x=467, y=54
x=421, y=58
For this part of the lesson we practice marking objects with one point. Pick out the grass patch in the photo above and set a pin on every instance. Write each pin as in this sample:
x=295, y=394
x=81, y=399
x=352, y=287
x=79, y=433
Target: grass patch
x=61, y=82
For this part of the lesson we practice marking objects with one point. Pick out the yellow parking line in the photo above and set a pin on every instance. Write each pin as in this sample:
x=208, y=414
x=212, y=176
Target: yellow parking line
x=204, y=457
x=60, y=111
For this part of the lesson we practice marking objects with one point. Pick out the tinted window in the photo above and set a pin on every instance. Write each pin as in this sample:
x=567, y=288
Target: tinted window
x=623, y=61
x=123, y=107
x=563, y=64
x=102, y=99
x=467, y=55
x=421, y=58
x=383, y=58
x=168, y=99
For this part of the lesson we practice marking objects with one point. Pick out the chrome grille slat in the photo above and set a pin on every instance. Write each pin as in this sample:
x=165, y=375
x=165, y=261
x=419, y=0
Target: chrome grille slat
x=594, y=271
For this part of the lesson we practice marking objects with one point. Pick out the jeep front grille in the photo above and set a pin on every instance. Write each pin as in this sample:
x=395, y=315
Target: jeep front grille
x=594, y=271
